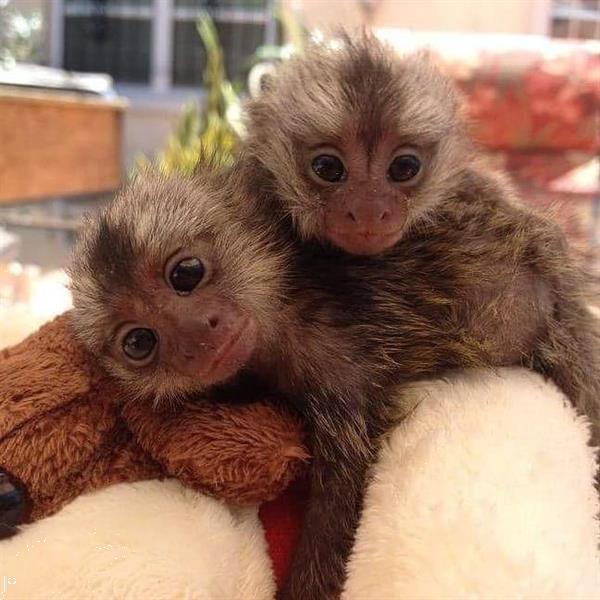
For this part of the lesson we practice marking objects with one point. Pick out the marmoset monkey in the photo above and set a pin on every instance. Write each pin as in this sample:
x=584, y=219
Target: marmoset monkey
x=364, y=160
x=168, y=292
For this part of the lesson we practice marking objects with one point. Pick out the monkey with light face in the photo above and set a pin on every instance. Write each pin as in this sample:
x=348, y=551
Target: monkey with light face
x=359, y=145
x=364, y=160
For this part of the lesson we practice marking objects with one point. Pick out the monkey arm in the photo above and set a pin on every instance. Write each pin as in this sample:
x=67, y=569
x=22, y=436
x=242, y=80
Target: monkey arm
x=569, y=351
x=530, y=303
x=244, y=454
x=566, y=346
x=342, y=455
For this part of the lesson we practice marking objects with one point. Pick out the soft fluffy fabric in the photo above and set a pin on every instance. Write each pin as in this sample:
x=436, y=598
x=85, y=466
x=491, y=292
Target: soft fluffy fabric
x=138, y=541
x=486, y=491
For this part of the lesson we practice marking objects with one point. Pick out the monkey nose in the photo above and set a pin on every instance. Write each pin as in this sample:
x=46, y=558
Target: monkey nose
x=212, y=320
x=198, y=326
x=367, y=218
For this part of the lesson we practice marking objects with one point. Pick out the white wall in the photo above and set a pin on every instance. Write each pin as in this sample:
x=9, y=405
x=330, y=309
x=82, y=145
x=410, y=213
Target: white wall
x=502, y=16
x=146, y=130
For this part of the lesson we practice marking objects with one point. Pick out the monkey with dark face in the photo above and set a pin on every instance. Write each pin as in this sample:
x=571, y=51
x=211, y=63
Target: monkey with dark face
x=365, y=162
x=170, y=307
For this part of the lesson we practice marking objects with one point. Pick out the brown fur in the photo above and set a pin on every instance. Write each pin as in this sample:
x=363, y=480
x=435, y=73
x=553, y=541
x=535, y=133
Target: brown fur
x=337, y=331
x=475, y=279
x=64, y=431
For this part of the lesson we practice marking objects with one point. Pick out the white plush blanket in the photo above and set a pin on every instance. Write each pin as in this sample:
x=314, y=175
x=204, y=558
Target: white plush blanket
x=485, y=491
x=147, y=540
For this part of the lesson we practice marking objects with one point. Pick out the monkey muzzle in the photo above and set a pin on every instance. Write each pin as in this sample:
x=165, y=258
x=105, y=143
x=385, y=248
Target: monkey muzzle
x=365, y=227
x=215, y=349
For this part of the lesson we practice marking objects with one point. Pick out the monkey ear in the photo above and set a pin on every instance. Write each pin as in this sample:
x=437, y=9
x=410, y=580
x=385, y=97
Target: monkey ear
x=260, y=78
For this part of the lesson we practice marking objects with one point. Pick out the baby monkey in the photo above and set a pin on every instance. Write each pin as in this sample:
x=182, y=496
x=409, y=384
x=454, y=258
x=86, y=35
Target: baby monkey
x=364, y=159
x=169, y=293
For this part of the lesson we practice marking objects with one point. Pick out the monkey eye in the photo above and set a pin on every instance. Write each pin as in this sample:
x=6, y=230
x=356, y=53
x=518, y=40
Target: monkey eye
x=404, y=168
x=185, y=276
x=139, y=344
x=329, y=168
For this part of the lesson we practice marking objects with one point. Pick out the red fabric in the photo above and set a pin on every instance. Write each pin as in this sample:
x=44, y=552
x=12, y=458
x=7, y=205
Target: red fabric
x=523, y=92
x=282, y=519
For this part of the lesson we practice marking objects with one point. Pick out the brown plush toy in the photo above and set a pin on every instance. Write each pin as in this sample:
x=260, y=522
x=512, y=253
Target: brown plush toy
x=64, y=431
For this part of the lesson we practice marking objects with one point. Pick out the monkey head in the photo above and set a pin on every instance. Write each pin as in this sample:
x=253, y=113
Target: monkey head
x=359, y=143
x=168, y=290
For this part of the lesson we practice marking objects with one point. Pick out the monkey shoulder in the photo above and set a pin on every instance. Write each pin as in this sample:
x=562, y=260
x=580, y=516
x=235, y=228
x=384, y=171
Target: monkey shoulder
x=485, y=209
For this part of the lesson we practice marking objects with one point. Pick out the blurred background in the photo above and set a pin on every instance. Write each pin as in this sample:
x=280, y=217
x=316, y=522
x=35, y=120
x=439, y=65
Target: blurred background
x=91, y=89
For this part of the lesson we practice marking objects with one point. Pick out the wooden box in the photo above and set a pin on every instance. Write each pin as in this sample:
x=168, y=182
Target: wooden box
x=57, y=144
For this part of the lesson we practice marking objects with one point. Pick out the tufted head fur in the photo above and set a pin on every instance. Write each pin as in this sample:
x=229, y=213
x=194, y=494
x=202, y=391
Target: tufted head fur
x=360, y=101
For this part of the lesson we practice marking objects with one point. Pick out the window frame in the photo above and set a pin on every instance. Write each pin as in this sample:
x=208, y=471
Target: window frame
x=163, y=14
x=574, y=13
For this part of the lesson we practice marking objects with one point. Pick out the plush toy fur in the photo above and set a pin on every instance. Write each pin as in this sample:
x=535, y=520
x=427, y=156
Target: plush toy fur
x=144, y=540
x=64, y=430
